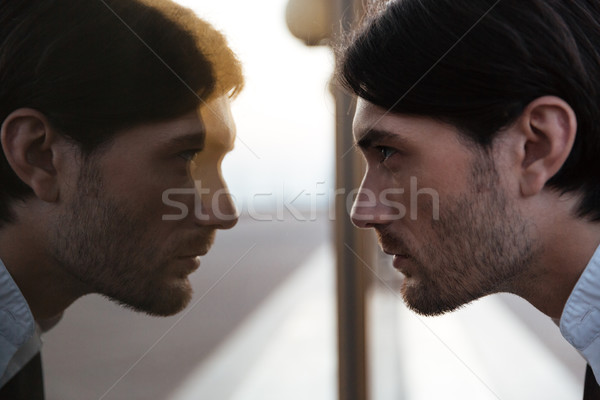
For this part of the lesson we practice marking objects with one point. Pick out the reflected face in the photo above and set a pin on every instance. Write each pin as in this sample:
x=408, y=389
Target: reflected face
x=133, y=226
x=439, y=207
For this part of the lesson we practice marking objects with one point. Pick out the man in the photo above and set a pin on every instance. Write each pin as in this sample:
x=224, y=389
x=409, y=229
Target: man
x=114, y=114
x=478, y=124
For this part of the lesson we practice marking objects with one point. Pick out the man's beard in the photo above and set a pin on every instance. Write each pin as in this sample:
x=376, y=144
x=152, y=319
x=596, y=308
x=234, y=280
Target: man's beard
x=104, y=245
x=479, y=245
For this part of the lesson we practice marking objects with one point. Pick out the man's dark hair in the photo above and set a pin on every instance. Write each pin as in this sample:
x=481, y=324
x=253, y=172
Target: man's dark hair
x=94, y=67
x=476, y=64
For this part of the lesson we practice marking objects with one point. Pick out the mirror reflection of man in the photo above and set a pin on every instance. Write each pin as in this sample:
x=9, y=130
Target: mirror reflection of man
x=492, y=106
x=105, y=105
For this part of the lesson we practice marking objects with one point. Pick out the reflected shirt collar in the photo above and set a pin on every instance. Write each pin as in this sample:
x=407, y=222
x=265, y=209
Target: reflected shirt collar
x=17, y=326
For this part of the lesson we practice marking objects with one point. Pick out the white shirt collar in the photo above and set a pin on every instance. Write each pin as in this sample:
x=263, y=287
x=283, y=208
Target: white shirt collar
x=580, y=320
x=17, y=328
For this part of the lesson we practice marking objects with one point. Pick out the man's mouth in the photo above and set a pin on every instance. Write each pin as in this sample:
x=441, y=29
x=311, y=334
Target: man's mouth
x=195, y=248
x=394, y=253
x=400, y=263
x=399, y=260
x=188, y=264
x=195, y=254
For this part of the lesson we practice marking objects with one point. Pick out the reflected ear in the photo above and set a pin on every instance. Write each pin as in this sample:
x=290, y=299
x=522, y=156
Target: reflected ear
x=548, y=125
x=28, y=143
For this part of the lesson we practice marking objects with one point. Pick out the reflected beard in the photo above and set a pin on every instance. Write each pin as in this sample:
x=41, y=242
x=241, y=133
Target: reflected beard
x=166, y=300
x=105, y=246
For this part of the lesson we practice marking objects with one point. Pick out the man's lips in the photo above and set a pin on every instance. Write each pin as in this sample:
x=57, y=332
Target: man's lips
x=191, y=258
x=395, y=254
x=401, y=264
x=399, y=260
x=188, y=264
x=194, y=255
x=192, y=252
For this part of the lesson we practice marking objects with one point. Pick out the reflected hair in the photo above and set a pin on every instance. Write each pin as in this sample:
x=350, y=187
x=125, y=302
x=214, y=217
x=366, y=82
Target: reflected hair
x=96, y=67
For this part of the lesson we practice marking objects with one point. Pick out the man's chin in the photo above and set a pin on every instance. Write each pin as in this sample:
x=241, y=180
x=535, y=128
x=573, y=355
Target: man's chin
x=421, y=301
x=162, y=303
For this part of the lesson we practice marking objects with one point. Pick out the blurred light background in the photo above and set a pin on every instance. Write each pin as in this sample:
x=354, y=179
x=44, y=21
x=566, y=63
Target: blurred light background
x=285, y=114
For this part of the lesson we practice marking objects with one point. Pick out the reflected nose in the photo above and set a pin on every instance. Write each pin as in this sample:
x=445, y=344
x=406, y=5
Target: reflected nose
x=216, y=208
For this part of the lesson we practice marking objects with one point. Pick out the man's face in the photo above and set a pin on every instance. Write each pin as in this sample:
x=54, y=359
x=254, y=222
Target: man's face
x=438, y=206
x=133, y=225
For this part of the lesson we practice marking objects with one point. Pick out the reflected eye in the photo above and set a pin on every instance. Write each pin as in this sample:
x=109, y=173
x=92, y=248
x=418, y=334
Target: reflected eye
x=386, y=152
x=189, y=155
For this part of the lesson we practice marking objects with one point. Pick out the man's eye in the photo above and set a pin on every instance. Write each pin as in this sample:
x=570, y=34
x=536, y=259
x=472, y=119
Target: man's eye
x=189, y=154
x=386, y=152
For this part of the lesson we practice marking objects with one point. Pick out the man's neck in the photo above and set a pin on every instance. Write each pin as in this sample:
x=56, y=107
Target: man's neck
x=47, y=288
x=568, y=244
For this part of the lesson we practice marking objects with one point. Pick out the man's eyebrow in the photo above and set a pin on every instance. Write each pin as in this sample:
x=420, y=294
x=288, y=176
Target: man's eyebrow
x=376, y=135
x=191, y=139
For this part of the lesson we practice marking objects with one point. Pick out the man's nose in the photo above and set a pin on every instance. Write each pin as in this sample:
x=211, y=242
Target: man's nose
x=216, y=208
x=368, y=209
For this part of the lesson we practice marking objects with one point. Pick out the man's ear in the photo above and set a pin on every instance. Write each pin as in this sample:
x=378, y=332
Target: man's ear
x=548, y=126
x=28, y=143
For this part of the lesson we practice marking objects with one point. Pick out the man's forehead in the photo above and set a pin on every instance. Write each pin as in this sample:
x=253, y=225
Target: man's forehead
x=372, y=123
x=218, y=121
x=189, y=125
x=370, y=117
x=366, y=110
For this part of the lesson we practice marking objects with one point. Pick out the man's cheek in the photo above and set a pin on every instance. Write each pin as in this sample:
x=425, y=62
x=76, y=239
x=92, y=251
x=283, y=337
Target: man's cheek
x=177, y=204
